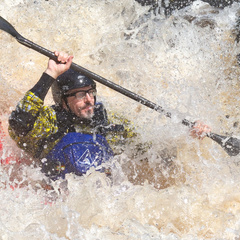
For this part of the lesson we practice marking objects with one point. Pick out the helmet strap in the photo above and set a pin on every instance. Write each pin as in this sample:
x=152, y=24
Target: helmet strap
x=66, y=104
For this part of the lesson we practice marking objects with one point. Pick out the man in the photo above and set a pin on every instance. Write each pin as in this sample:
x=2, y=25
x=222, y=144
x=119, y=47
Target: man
x=69, y=136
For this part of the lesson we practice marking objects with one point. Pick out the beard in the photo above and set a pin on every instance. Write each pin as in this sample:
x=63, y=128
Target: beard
x=89, y=114
x=86, y=112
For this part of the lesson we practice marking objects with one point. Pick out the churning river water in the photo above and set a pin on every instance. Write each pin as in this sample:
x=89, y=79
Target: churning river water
x=180, y=188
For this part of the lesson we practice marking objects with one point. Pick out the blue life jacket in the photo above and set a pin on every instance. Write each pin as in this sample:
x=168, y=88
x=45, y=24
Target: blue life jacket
x=76, y=153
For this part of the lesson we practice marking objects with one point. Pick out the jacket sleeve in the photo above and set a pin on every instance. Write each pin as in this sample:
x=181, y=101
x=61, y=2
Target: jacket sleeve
x=31, y=121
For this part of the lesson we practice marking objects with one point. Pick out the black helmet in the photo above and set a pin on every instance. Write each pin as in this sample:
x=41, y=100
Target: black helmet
x=68, y=81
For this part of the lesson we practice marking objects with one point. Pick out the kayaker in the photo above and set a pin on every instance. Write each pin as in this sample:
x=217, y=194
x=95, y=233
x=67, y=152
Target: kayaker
x=69, y=136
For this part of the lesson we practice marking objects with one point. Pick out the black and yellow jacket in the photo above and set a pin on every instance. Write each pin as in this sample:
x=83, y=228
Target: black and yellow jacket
x=37, y=128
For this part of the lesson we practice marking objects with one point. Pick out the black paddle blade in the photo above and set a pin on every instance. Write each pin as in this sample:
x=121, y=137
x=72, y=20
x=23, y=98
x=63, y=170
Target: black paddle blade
x=7, y=27
x=229, y=144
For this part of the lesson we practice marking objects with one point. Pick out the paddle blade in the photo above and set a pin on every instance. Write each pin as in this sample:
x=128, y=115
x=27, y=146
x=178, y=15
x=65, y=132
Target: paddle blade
x=229, y=144
x=7, y=27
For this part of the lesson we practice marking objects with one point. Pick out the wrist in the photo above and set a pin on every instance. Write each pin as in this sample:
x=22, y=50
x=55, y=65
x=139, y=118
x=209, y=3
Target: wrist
x=51, y=73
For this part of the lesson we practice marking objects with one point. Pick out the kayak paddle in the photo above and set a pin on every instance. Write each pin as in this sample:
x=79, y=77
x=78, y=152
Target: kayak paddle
x=229, y=144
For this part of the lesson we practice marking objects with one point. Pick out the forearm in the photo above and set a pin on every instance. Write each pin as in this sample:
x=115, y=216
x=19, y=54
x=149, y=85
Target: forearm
x=42, y=86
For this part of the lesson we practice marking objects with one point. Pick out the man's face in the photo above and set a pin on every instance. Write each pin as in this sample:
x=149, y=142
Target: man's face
x=82, y=107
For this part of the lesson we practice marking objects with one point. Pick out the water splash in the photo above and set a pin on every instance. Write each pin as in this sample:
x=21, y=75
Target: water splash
x=180, y=188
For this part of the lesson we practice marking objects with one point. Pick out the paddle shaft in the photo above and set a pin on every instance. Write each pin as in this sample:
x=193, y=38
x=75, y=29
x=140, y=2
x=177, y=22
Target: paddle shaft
x=96, y=77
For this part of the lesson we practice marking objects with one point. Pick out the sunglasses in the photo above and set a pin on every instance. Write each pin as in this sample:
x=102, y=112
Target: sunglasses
x=82, y=94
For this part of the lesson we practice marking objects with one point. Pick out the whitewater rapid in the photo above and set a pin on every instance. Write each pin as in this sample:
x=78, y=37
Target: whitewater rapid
x=181, y=188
